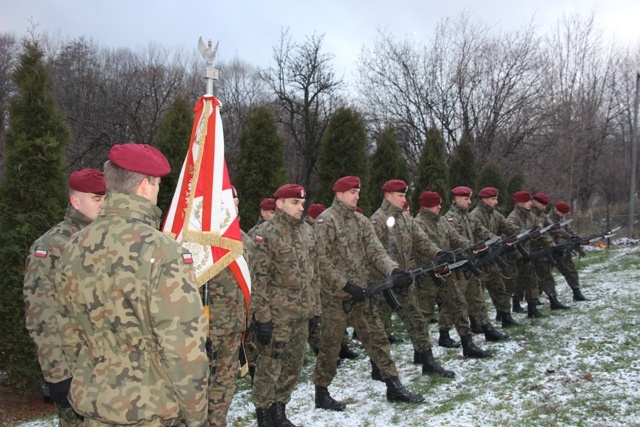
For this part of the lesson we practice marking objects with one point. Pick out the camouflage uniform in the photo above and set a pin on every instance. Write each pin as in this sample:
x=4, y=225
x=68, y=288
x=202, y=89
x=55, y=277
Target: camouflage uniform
x=565, y=263
x=347, y=244
x=405, y=239
x=284, y=266
x=42, y=304
x=227, y=323
x=541, y=266
x=135, y=328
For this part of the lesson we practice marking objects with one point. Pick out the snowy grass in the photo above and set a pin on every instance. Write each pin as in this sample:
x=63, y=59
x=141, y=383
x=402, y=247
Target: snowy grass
x=575, y=367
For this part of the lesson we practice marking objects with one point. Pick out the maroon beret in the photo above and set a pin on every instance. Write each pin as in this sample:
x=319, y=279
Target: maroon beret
x=487, y=192
x=289, y=191
x=346, y=183
x=315, y=210
x=521, y=196
x=462, y=191
x=140, y=158
x=268, y=204
x=396, y=186
x=234, y=192
x=542, y=198
x=562, y=207
x=429, y=199
x=359, y=210
x=88, y=181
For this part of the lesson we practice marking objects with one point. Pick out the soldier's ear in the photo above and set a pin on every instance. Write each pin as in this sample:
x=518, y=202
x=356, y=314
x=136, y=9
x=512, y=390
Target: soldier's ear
x=75, y=201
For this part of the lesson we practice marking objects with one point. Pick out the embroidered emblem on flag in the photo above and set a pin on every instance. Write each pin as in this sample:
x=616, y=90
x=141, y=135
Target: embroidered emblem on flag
x=188, y=259
x=40, y=253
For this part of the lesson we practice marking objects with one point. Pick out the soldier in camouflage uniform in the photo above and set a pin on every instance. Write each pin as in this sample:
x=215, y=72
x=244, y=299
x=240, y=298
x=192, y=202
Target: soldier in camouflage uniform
x=542, y=268
x=42, y=303
x=285, y=302
x=267, y=211
x=135, y=329
x=446, y=237
x=470, y=286
x=492, y=220
x=403, y=239
x=565, y=262
x=347, y=244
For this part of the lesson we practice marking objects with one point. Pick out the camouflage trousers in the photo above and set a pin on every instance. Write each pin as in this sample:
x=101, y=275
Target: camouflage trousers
x=279, y=363
x=155, y=422
x=546, y=282
x=493, y=282
x=223, y=377
x=67, y=417
x=522, y=280
x=453, y=303
x=385, y=313
x=474, y=303
x=568, y=269
x=314, y=340
x=370, y=331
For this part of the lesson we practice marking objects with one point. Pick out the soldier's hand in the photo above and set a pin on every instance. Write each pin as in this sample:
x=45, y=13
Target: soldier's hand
x=59, y=392
x=314, y=323
x=401, y=278
x=355, y=291
x=445, y=257
x=264, y=332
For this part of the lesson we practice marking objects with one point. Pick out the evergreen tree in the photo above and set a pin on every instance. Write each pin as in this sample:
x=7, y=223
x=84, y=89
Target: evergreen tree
x=343, y=153
x=33, y=197
x=260, y=164
x=462, y=169
x=516, y=183
x=386, y=163
x=491, y=176
x=172, y=140
x=433, y=173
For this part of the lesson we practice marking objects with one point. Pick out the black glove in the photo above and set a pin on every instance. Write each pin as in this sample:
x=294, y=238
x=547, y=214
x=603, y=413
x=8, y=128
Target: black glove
x=59, y=392
x=355, y=291
x=209, y=347
x=264, y=332
x=314, y=323
x=401, y=278
x=443, y=257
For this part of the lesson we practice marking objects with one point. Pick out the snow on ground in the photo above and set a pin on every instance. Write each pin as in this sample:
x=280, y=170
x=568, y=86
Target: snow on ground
x=572, y=368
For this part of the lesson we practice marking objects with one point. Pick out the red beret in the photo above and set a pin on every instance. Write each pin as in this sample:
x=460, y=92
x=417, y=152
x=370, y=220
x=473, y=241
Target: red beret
x=542, y=198
x=359, y=210
x=521, y=196
x=289, y=191
x=429, y=199
x=462, y=191
x=487, y=192
x=396, y=186
x=315, y=210
x=234, y=192
x=88, y=181
x=562, y=207
x=346, y=183
x=140, y=158
x=268, y=204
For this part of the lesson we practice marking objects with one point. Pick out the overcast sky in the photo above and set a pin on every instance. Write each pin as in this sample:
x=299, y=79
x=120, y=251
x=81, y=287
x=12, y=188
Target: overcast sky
x=249, y=29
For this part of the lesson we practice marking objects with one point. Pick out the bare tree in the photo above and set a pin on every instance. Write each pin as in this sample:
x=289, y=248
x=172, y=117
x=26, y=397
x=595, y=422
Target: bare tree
x=8, y=55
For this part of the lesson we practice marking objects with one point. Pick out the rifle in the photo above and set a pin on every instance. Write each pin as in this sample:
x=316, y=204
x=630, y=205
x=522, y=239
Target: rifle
x=573, y=244
x=474, y=252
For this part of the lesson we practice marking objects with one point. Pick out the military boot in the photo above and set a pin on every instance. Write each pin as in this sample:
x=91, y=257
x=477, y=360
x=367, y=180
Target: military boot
x=475, y=328
x=577, y=295
x=393, y=339
x=557, y=305
x=516, y=306
x=264, y=417
x=446, y=341
x=397, y=393
x=347, y=353
x=532, y=310
x=490, y=334
x=508, y=320
x=498, y=316
x=325, y=401
x=279, y=415
x=375, y=372
x=430, y=366
x=469, y=349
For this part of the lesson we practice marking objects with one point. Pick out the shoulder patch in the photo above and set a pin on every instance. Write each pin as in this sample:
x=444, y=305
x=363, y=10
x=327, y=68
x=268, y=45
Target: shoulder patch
x=320, y=221
x=41, y=253
x=450, y=219
x=258, y=239
x=374, y=222
x=188, y=258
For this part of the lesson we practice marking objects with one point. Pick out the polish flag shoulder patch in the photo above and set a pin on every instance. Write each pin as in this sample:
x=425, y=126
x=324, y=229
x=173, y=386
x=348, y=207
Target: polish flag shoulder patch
x=188, y=258
x=41, y=253
x=320, y=221
x=450, y=219
x=374, y=222
x=258, y=239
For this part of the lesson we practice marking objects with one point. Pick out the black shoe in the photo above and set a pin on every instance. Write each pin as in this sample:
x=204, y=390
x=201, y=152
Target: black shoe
x=430, y=366
x=325, y=401
x=516, y=306
x=557, y=305
x=508, y=320
x=394, y=340
x=397, y=393
x=475, y=328
x=538, y=302
x=264, y=418
x=577, y=295
x=498, y=316
x=279, y=415
x=490, y=334
x=375, y=372
x=469, y=349
x=347, y=353
x=532, y=311
x=446, y=341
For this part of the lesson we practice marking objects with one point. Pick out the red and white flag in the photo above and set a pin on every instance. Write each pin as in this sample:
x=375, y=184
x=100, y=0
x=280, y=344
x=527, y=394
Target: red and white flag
x=202, y=216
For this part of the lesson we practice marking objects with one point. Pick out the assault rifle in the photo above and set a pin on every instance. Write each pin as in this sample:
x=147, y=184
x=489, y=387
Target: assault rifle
x=436, y=270
x=573, y=244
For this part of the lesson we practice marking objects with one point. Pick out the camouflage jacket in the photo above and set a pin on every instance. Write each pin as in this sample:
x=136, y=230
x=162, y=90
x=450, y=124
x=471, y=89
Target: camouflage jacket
x=42, y=304
x=252, y=230
x=541, y=220
x=524, y=219
x=347, y=245
x=134, y=318
x=466, y=225
x=284, y=268
x=228, y=310
x=440, y=232
x=403, y=240
x=493, y=220
x=565, y=232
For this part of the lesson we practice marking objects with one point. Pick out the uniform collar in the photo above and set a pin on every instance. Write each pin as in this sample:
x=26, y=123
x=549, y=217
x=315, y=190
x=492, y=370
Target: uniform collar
x=76, y=218
x=284, y=218
x=429, y=215
x=131, y=206
x=342, y=208
x=390, y=209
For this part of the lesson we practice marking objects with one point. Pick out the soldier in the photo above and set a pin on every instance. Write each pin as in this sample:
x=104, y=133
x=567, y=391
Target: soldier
x=267, y=211
x=541, y=266
x=313, y=212
x=347, y=244
x=285, y=303
x=135, y=329
x=402, y=240
x=493, y=221
x=446, y=237
x=42, y=303
x=565, y=263
x=471, y=287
